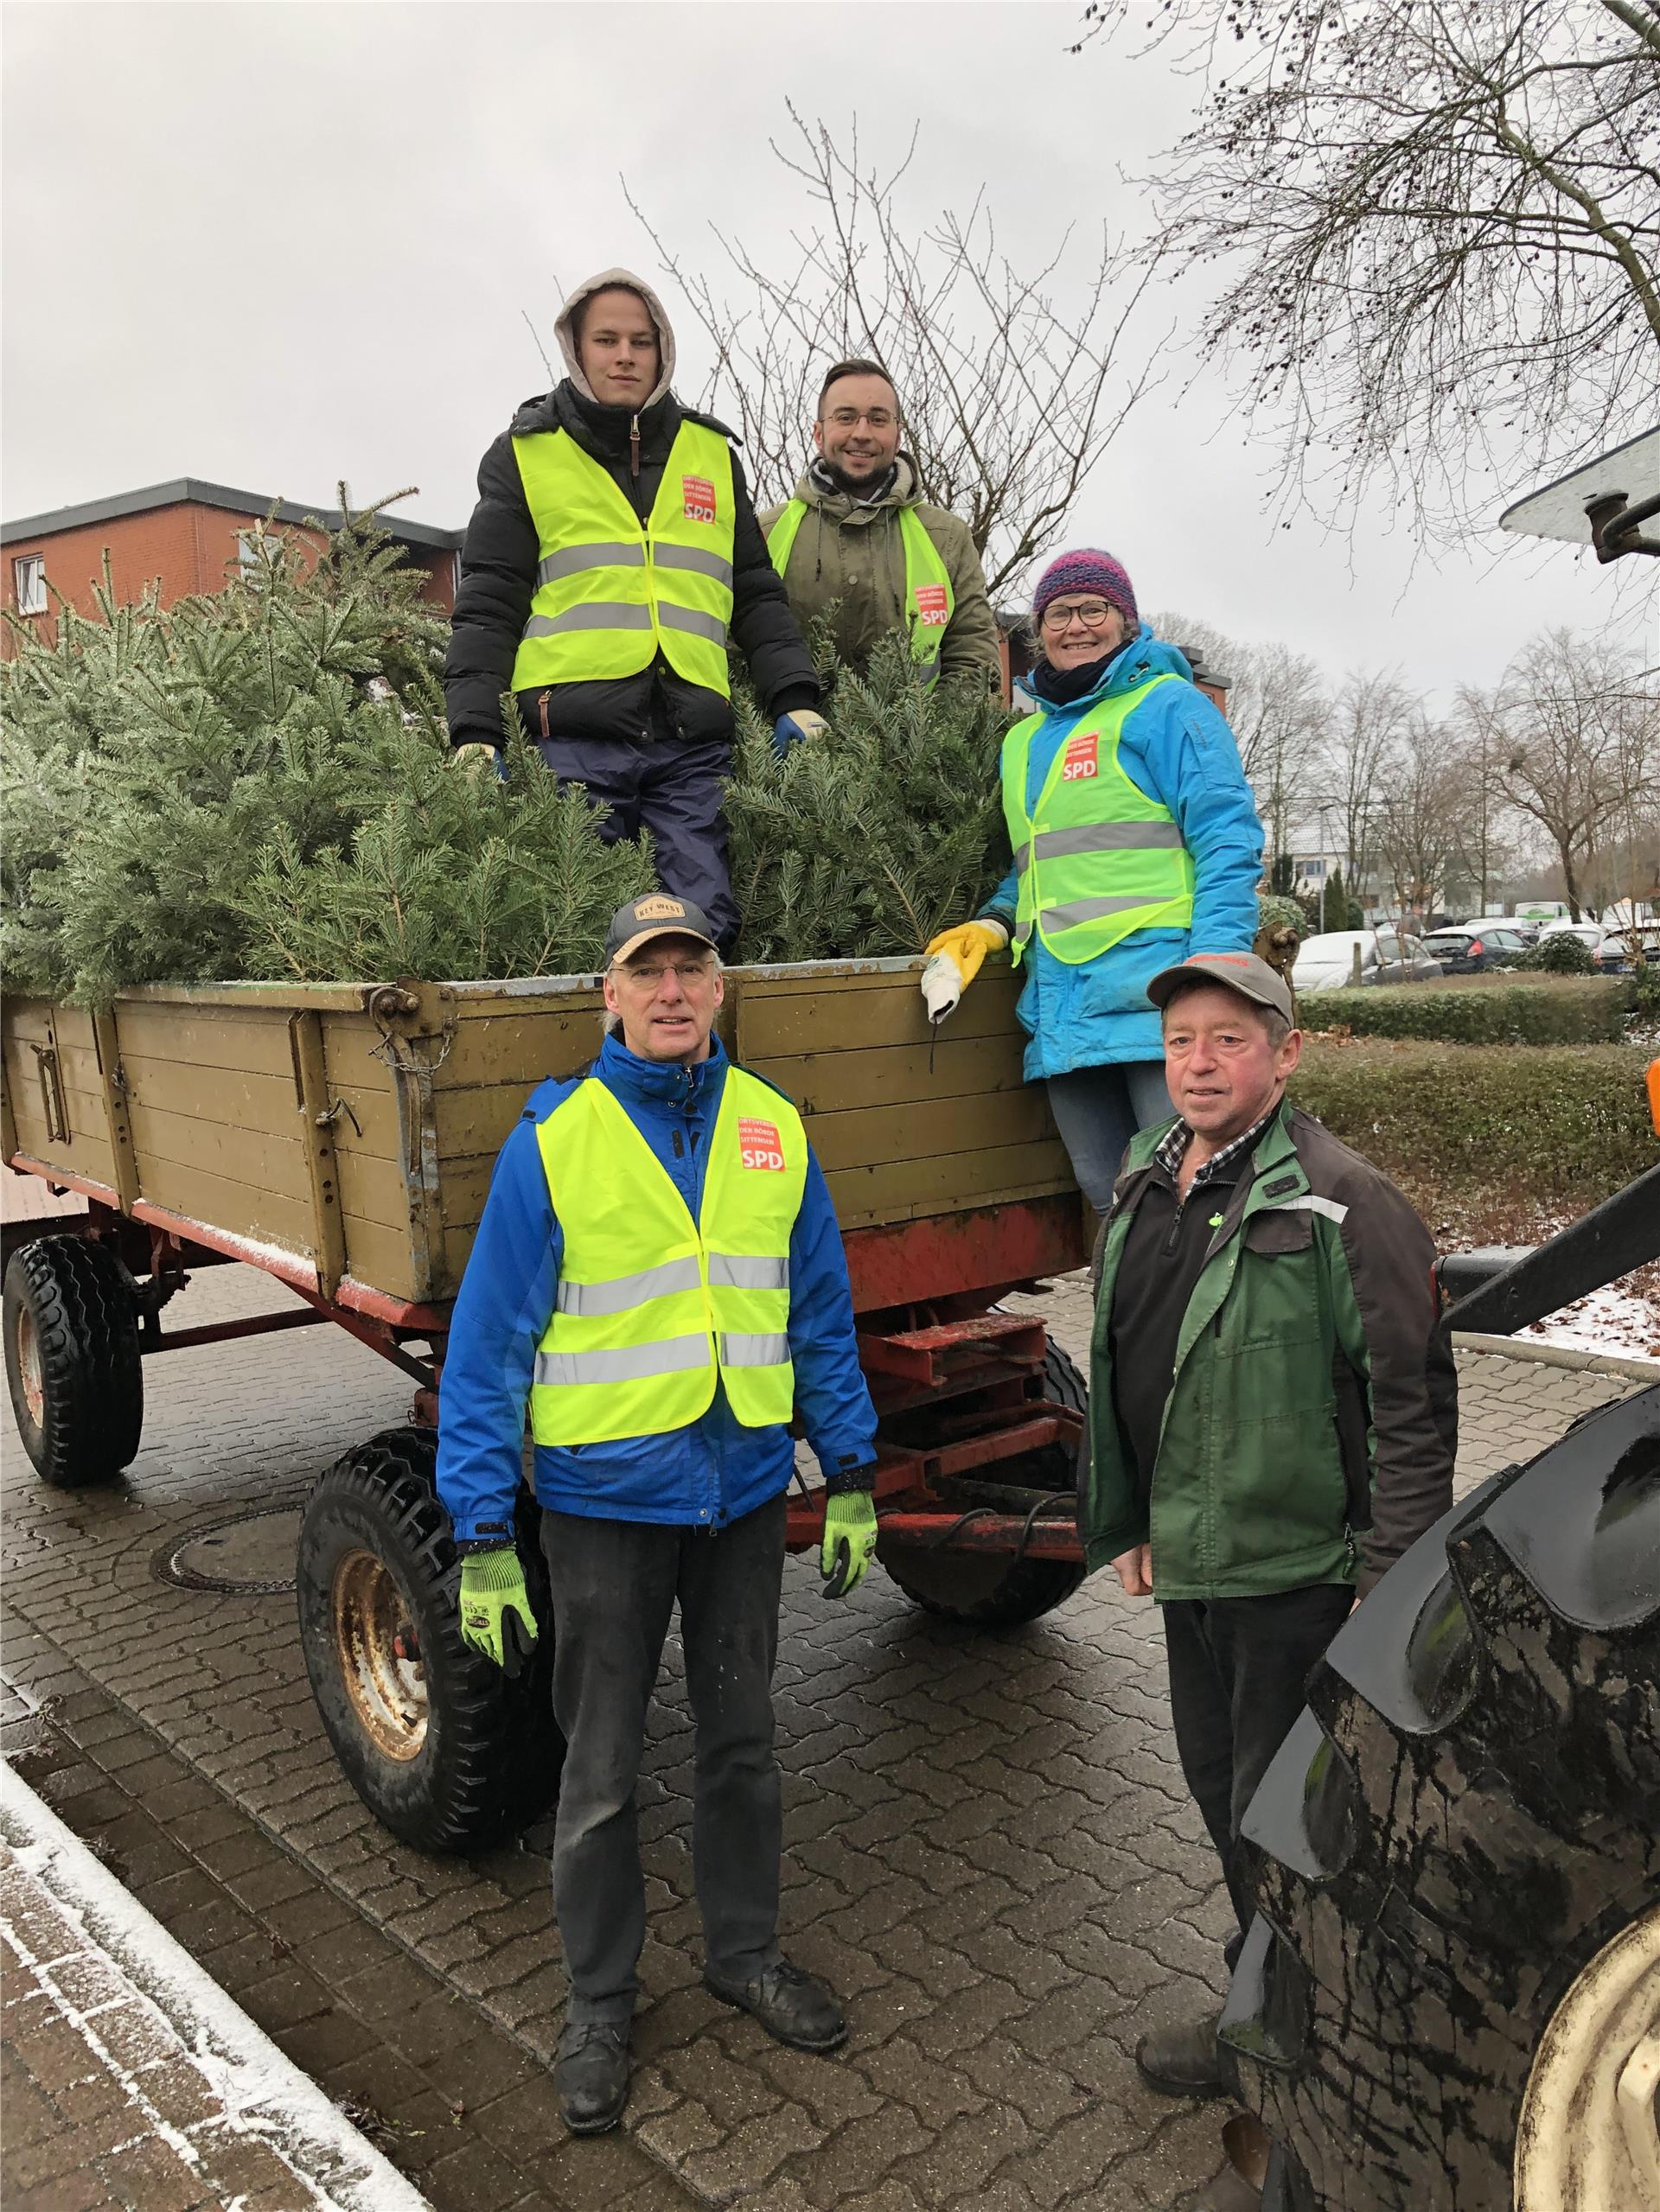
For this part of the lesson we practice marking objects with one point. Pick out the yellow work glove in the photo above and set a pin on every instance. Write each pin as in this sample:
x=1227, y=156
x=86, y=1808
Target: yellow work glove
x=969, y=944
x=475, y=757
x=496, y=1620
x=849, y=1541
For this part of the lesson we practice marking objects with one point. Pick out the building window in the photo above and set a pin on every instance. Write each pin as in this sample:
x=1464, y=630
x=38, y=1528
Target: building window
x=254, y=551
x=28, y=583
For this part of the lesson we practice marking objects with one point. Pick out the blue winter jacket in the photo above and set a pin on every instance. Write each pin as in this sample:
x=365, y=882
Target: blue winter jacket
x=713, y=1471
x=1177, y=749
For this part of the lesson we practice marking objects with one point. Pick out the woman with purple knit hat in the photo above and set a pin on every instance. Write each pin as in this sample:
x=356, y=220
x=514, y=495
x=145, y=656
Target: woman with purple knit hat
x=1136, y=840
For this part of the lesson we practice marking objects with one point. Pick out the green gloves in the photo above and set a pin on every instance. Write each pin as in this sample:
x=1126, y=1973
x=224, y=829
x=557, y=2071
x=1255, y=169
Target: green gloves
x=849, y=1540
x=496, y=1615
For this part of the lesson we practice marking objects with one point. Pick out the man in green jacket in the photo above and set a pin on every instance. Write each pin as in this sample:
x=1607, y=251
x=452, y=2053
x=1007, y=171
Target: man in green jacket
x=859, y=535
x=1273, y=1408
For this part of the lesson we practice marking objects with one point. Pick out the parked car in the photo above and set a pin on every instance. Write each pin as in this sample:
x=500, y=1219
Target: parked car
x=1527, y=931
x=1422, y=964
x=1617, y=954
x=1327, y=963
x=1475, y=948
x=1590, y=934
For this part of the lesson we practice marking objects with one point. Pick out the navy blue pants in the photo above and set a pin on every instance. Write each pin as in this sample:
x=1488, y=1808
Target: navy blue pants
x=672, y=789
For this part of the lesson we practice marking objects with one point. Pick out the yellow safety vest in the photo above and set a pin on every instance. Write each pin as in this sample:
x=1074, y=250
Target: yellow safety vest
x=653, y=1306
x=611, y=595
x=1097, y=858
x=929, y=600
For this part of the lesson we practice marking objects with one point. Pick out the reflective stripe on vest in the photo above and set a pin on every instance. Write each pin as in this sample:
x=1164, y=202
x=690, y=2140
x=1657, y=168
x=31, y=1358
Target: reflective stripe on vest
x=929, y=600
x=610, y=595
x=1097, y=860
x=652, y=1308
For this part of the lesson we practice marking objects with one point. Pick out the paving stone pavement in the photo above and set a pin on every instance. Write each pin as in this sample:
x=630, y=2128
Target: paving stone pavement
x=989, y=1849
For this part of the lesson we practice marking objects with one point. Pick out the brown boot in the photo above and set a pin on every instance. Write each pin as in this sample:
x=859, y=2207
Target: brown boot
x=1237, y=2184
x=1183, y=2062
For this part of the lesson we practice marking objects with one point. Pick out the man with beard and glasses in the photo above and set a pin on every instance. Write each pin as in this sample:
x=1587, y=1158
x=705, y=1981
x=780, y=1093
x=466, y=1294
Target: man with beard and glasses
x=859, y=537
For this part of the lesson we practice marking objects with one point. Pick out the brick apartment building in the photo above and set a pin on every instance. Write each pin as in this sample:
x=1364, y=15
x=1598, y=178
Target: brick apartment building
x=187, y=535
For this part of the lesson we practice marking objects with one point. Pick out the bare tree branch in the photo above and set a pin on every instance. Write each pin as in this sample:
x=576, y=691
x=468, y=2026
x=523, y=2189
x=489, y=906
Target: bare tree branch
x=1432, y=227
x=1009, y=398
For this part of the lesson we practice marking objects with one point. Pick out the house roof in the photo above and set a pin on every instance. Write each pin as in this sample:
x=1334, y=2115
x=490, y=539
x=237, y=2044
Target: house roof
x=192, y=490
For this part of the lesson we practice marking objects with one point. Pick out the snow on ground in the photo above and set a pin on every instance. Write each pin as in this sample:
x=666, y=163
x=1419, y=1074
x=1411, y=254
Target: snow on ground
x=83, y=1951
x=1614, y=1322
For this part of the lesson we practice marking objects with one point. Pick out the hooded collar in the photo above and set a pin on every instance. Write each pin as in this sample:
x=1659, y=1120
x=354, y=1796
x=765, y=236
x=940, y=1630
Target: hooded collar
x=564, y=331
x=1137, y=661
x=658, y=1082
x=817, y=487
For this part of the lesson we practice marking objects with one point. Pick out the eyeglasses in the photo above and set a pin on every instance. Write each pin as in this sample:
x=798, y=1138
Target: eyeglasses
x=1092, y=613
x=848, y=418
x=650, y=977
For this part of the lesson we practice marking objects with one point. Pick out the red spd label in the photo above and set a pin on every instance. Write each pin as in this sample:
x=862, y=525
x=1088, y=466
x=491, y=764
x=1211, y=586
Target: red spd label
x=931, y=606
x=698, y=496
x=1081, y=760
x=759, y=1144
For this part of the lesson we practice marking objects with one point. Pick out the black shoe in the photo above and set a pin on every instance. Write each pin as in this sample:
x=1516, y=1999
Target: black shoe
x=591, y=2075
x=1183, y=2062
x=795, y=2007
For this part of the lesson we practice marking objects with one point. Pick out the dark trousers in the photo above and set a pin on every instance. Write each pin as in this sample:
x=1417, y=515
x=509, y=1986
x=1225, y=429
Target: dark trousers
x=1097, y=1111
x=674, y=790
x=1238, y=1667
x=614, y=1587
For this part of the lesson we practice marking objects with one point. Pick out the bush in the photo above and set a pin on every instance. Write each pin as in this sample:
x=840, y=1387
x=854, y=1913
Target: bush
x=1560, y=955
x=1541, y=1011
x=1567, y=1123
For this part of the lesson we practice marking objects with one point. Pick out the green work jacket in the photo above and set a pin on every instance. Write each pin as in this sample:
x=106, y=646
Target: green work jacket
x=1310, y=1430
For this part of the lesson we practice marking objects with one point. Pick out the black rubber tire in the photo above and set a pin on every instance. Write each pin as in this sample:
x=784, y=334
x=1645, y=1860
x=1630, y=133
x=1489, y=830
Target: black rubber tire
x=1466, y=1813
x=489, y=1763
x=77, y=1298
x=979, y=1588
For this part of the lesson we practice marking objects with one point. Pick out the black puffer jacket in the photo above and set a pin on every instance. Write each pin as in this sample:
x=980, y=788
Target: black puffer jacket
x=498, y=580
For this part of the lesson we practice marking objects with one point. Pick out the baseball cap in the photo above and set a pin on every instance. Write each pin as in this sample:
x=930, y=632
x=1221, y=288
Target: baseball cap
x=657, y=914
x=1242, y=972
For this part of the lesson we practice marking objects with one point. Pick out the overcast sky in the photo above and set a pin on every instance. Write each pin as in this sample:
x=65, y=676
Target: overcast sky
x=274, y=245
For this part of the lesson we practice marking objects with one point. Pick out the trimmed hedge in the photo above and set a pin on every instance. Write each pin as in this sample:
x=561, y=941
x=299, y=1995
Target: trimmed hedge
x=1569, y=1123
x=1471, y=1010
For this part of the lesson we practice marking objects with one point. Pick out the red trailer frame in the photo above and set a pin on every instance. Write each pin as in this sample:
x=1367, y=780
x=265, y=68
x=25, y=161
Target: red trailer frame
x=958, y=1385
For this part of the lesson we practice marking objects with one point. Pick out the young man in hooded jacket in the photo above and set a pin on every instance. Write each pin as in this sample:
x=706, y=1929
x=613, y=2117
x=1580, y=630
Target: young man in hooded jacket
x=613, y=551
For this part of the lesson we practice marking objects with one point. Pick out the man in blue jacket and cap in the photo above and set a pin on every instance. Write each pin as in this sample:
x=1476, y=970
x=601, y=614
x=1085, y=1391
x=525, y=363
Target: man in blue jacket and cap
x=659, y=1274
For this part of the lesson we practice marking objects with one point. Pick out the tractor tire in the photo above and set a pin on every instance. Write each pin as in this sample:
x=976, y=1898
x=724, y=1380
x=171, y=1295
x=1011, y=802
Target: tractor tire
x=981, y=1590
x=73, y=1363
x=1465, y=1817
x=444, y=1749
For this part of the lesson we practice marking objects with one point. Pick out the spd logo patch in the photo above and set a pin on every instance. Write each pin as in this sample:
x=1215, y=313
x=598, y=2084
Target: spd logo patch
x=931, y=606
x=1082, y=760
x=759, y=1144
x=697, y=497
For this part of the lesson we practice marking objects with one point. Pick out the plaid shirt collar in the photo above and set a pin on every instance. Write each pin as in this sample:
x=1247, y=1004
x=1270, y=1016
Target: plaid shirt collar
x=1169, y=1154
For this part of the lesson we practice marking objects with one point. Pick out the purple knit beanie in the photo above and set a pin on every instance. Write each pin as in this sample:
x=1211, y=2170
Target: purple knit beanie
x=1088, y=570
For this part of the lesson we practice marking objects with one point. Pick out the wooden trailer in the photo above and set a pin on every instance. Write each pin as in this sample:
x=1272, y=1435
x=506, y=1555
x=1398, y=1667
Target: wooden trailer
x=341, y=1138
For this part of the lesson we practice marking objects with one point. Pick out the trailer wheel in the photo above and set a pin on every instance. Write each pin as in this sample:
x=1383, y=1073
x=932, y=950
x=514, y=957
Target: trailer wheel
x=73, y=1363
x=1456, y=1846
x=445, y=1750
x=982, y=1591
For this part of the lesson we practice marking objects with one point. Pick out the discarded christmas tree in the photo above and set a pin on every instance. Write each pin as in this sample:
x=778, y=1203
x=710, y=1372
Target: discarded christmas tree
x=258, y=784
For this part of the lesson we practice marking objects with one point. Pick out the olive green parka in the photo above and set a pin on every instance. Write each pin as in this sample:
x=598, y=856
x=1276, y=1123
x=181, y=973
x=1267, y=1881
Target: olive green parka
x=849, y=551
